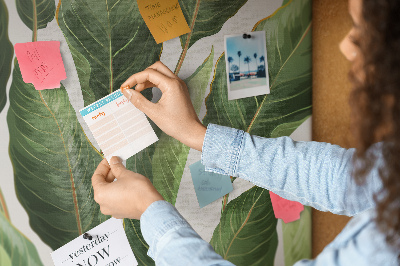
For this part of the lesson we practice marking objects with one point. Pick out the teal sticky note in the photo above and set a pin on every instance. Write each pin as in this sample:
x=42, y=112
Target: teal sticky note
x=209, y=186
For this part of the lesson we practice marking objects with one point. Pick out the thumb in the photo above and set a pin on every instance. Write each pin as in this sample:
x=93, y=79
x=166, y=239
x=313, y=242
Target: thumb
x=138, y=100
x=117, y=167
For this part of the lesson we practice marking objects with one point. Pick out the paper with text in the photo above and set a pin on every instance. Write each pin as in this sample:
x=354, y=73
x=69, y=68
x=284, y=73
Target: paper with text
x=164, y=18
x=209, y=186
x=118, y=126
x=109, y=246
x=41, y=63
x=284, y=209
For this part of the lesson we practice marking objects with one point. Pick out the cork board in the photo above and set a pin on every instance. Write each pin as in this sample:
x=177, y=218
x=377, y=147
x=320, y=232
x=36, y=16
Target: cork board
x=331, y=89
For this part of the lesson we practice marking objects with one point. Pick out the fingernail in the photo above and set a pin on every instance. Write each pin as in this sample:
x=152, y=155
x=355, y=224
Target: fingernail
x=115, y=160
x=127, y=93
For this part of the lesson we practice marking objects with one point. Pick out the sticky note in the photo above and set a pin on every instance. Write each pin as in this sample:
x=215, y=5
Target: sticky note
x=118, y=126
x=41, y=64
x=108, y=246
x=284, y=209
x=164, y=18
x=209, y=186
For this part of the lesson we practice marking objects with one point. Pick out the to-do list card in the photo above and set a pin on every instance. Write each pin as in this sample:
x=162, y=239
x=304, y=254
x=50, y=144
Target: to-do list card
x=118, y=126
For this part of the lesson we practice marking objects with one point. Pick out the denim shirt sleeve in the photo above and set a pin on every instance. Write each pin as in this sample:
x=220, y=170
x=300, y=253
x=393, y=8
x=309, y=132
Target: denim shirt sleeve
x=312, y=173
x=172, y=241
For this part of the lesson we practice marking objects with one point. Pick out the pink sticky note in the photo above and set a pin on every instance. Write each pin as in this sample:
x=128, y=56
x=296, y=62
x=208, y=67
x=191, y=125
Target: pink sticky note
x=41, y=64
x=286, y=210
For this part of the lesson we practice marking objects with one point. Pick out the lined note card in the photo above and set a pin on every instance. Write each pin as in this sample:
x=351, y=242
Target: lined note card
x=41, y=63
x=118, y=126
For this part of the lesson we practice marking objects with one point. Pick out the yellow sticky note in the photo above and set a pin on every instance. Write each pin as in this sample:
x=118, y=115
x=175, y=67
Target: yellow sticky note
x=164, y=18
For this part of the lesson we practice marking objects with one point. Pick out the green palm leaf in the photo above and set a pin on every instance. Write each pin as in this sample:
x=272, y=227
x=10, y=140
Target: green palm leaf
x=246, y=234
x=164, y=161
x=297, y=238
x=109, y=42
x=36, y=13
x=288, y=40
x=137, y=242
x=15, y=248
x=6, y=54
x=202, y=24
x=53, y=163
x=170, y=155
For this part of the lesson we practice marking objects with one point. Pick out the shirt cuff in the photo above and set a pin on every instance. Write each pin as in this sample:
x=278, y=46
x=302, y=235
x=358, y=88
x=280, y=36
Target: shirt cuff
x=159, y=218
x=222, y=147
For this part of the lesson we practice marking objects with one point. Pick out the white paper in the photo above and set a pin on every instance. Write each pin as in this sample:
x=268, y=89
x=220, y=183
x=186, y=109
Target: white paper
x=108, y=247
x=118, y=126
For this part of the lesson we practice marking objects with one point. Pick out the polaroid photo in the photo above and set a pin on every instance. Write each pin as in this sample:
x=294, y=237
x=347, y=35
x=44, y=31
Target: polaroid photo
x=246, y=65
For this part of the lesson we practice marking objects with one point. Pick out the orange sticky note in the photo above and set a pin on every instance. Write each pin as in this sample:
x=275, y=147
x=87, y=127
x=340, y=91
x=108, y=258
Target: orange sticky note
x=164, y=18
x=284, y=209
x=41, y=63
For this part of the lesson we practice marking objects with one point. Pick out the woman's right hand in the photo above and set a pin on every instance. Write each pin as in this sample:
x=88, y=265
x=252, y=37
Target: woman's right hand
x=173, y=113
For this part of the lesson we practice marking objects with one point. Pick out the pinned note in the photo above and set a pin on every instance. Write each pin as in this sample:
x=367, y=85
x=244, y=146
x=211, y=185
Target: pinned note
x=41, y=64
x=164, y=18
x=209, y=186
x=106, y=244
x=118, y=126
x=284, y=209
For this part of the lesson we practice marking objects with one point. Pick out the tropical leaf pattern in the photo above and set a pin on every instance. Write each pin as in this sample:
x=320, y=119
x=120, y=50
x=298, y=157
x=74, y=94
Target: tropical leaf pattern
x=109, y=42
x=246, y=234
x=53, y=160
x=15, y=248
x=53, y=163
x=201, y=23
x=288, y=39
x=36, y=13
x=170, y=155
x=138, y=244
x=6, y=54
x=297, y=238
x=164, y=161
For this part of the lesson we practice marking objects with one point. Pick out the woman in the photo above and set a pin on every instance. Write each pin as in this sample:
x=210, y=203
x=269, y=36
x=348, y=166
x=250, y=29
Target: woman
x=362, y=182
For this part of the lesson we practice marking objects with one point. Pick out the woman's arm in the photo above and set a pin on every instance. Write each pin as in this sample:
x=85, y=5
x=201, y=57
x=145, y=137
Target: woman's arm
x=315, y=174
x=171, y=239
x=312, y=173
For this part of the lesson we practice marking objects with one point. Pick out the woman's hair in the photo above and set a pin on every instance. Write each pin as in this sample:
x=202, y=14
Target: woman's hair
x=375, y=101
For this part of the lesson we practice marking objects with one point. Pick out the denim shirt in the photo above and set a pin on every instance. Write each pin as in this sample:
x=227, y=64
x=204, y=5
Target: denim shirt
x=312, y=173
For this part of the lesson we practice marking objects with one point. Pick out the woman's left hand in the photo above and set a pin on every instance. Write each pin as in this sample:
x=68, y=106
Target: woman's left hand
x=127, y=197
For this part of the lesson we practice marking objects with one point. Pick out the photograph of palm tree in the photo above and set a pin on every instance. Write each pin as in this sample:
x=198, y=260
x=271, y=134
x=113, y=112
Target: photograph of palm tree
x=246, y=67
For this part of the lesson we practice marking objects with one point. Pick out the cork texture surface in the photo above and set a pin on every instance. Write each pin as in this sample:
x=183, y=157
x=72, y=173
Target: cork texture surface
x=331, y=89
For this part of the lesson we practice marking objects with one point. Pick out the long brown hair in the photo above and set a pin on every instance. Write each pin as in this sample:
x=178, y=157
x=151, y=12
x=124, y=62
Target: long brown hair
x=376, y=108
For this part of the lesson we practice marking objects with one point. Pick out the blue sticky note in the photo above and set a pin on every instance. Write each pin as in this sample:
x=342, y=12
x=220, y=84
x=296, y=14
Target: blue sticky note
x=209, y=186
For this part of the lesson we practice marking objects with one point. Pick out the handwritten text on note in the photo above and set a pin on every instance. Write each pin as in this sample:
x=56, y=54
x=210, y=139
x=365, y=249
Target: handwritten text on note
x=164, y=18
x=41, y=64
x=209, y=186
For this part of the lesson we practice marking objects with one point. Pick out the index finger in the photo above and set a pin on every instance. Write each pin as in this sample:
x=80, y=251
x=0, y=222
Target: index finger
x=100, y=174
x=159, y=80
x=160, y=67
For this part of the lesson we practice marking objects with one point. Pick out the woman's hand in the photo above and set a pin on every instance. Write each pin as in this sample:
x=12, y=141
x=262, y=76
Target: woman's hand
x=127, y=197
x=173, y=113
